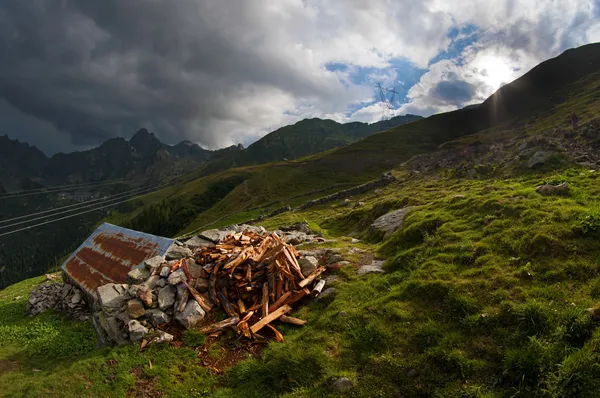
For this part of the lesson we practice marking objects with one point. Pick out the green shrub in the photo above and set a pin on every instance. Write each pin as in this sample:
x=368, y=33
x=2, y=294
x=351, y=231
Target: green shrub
x=588, y=222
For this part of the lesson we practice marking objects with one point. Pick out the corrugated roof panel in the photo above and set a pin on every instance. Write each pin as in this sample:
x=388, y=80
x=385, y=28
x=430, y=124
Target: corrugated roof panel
x=109, y=253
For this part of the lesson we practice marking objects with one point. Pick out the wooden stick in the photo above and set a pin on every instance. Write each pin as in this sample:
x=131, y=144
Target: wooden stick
x=278, y=336
x=241, y=306
x=269, y=318
x=298, y=296
x=218, y=326
x=292, y=320
x=312, y=276
x=318, y=288
x=265, y=299
x=281, y=300
x=186, y=270
x=198, y=297
x=226, y=305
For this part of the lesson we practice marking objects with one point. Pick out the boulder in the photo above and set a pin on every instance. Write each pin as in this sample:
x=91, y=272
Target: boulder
x=166, y=297
x=145, y=295
x=201, y=285
x=196, y=271
x=539, y=158
x=162, y=337
x=191, y=315
x=154, y=262
x=157, y=317
x=135, y=309
x=197, y=241
x=137, y=331
x=164, y=271
x=108, y=329
x=548, y=189
x=374, y=268
x=177, y=276
x=137, y=275
x=308, y=264
x=212, y=235
x=334, y=258
x=112, y=295
x=152, y=282
x=326, y=294
x=390, y=222
x=342, y=384
x=178, y=252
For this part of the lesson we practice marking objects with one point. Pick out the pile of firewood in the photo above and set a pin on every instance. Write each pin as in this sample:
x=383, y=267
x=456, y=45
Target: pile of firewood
x=255, y=279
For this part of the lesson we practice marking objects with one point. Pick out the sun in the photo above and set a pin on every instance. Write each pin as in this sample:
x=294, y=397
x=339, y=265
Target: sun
x=494, y=71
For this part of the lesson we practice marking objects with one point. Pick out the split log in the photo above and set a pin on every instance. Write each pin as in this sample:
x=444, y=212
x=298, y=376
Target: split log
x=309, y=279
x=186, y=269
x=219, y=326
x=206, y=306
x=270, y=318
x=318, y=288
x=226, y=305
x=265, y=299
x=281, y=300
x=292, y=320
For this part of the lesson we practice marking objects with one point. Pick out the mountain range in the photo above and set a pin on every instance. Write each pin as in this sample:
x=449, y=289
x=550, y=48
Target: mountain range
x=145, y=157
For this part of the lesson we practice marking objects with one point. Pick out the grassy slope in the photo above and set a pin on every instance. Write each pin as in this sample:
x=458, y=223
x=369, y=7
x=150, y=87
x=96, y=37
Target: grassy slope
x=485, y=295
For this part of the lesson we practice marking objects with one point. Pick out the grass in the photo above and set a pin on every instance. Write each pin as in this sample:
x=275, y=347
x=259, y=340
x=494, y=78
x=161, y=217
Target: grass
x=486, y=295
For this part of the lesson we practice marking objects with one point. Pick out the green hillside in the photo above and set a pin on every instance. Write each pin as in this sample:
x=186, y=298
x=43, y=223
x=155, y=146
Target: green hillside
x=491, y=288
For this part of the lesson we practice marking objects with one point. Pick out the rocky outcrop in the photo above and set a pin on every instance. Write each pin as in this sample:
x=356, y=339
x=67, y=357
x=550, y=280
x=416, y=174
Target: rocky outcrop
x=385, y=225
x=61, y=297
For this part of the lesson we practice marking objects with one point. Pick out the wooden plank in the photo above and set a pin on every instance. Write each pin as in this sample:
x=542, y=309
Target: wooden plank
x=281, y=300
x=292, y=320
x=270, y=318
x=219, y=326
x=309, y=279
x=265, y=300
x=241, y=306
x=297, y=296
x=206, y=306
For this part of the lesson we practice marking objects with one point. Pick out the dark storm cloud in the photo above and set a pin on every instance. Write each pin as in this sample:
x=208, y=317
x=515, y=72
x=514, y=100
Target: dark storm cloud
x=454, y=92
x=98, y=69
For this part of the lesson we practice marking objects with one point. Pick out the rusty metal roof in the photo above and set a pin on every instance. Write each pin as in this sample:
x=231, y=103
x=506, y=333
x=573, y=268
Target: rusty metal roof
x=109, y=253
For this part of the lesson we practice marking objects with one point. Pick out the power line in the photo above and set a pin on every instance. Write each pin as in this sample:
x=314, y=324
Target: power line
x=78, y=214
x=63, y=187
x=48, y=191
x=82, y=205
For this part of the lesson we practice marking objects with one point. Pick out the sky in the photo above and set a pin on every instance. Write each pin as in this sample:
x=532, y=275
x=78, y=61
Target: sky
x=76, y=73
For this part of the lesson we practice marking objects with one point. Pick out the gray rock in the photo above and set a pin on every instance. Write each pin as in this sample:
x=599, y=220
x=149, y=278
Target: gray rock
x=374, y=268
x=166, y=297
x=342, y=384
x=135, y=309
x=164, y=271
x=137, y=275
x=308, y=265
x=162, y=337
x=152, y=282
x=76, y=298
x=181, y=289
x=112, y=296
x=191, y=315
x=137, y=331
x=412, y=373
x=539, y=158
x=157, y=317
x=342, y=313
x=334, y=259
x=326, y=294
x=201, y=285
x=177, y=276
x=154, y=262
x=354, y=240
x=107, y=329
x=212, y=235
x=390, y=222
x=145, y=295
x=197, y=241
x=177, y=252
x=196, y=271
x=549, y=189
x=161, y=282
x=132, y=291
